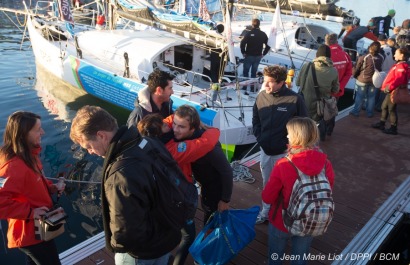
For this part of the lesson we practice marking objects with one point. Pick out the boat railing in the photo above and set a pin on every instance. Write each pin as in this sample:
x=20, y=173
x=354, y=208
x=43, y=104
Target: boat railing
x=45, y=8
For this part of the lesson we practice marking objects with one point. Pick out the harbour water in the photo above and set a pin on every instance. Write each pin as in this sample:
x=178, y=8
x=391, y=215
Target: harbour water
x=24, y=87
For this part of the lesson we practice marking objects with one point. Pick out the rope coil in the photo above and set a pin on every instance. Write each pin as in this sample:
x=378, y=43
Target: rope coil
x=241, y=173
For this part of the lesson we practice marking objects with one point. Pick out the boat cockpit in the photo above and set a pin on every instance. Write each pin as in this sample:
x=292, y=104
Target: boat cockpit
x=311, y=36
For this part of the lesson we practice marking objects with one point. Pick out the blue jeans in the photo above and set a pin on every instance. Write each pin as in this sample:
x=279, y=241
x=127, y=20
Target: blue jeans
x=267, y=163
x=251, y=62
x=277, y=245
x=364, y=90
x=127, y=259
x=188, y=236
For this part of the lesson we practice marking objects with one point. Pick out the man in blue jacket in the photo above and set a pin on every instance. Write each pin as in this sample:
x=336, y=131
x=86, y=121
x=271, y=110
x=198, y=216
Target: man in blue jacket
x=275, y=105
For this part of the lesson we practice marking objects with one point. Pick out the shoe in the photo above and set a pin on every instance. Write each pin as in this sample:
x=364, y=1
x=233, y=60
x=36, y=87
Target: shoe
x=392, y=130
x=353, y=114
x=329, y=133
x=370, y=116
x=260, y=219
x=378, y=125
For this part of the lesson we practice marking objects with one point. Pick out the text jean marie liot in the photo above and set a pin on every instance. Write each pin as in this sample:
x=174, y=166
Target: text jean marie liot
x=345, y=256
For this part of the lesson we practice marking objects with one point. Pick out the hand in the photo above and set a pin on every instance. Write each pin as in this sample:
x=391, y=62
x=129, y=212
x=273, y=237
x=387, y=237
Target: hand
x=204, y=126
x=223, y=206
x=165, y=128
x=38, y=212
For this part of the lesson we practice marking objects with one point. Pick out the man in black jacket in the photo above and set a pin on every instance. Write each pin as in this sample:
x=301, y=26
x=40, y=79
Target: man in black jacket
x=132, y=224
x=274, y=106
x=215, y=175
x=155, y=98
x=251, y=48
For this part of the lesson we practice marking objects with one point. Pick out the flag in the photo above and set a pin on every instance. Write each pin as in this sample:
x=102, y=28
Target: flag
x=203, y=11
x=65, y=11
x=228, y=36
x=275, y=29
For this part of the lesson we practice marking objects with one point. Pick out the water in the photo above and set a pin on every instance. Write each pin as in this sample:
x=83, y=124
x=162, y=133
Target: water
x=24, y=87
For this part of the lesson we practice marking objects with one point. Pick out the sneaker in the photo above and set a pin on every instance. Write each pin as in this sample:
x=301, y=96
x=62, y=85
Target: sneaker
x=353, y=114
x=260, y=219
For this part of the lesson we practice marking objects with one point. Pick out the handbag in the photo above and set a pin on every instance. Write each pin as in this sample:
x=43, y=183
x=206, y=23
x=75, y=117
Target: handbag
x=400, y=95
x=224, y=236
x=325, y=107
x=378, y=77
x=50, y=225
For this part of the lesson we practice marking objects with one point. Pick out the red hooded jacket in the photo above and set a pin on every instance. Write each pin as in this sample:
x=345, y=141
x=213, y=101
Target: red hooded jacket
x=188, y=151
x=398, y=75
x=21, y=191
x=284, y=175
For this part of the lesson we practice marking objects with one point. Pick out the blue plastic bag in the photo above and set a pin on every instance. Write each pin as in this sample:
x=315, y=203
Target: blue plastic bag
x=224, y=236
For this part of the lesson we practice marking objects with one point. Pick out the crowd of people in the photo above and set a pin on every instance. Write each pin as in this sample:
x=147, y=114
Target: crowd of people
x=285, y=123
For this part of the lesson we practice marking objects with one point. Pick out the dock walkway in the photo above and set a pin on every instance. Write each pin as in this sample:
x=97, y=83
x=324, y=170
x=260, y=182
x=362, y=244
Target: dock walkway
x=369, y=166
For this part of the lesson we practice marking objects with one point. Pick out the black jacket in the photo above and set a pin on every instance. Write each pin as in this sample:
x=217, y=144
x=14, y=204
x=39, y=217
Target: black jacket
x=271, y=112
x=215, y=174
x=129, y=197
x=252, y=43
x=143, y=105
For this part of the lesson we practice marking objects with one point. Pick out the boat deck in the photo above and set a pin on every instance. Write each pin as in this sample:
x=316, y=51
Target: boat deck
x=369, y=166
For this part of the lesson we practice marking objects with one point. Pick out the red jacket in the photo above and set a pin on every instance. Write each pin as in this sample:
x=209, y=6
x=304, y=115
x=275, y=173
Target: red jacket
x=284, y=175
x=188, y=151
x=343, y=64
x=22, y=191
x=398, y=75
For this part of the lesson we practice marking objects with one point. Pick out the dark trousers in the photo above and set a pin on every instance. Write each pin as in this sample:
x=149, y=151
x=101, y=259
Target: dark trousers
x=188, y=236
x=379, y=100
x=44, y=253
x=352, y=48
x=389, y=109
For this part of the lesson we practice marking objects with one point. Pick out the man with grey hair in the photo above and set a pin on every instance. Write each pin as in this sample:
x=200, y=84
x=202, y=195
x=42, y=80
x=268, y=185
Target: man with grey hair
x=343, y=64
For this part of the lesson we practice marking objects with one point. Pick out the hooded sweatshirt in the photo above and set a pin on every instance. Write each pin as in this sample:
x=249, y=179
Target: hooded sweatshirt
x=284, y=175
x=144, y=105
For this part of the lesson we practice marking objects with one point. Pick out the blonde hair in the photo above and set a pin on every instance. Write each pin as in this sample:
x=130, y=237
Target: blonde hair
x=303, y=132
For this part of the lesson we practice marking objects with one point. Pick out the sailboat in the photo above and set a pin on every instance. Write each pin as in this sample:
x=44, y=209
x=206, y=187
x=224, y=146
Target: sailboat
x=113, y=65
x=301, y=32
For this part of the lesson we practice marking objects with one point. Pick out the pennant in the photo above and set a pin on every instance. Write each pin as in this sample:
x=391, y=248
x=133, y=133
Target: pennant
x=275, y=29
x=228, y=36
x=203, y=11
x=65, y=11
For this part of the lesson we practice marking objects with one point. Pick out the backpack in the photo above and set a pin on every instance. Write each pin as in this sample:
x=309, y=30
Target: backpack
x=379, y=29
x=311, y=205
x=177, y=197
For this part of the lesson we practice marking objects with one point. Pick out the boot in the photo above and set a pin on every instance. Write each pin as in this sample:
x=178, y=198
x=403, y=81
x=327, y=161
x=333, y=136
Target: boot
x=379, y=125
x=392, y=130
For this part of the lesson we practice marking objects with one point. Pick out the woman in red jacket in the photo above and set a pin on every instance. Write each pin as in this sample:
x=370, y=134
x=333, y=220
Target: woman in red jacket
x=398, y=76
x=24, y=191
x=303, y=137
